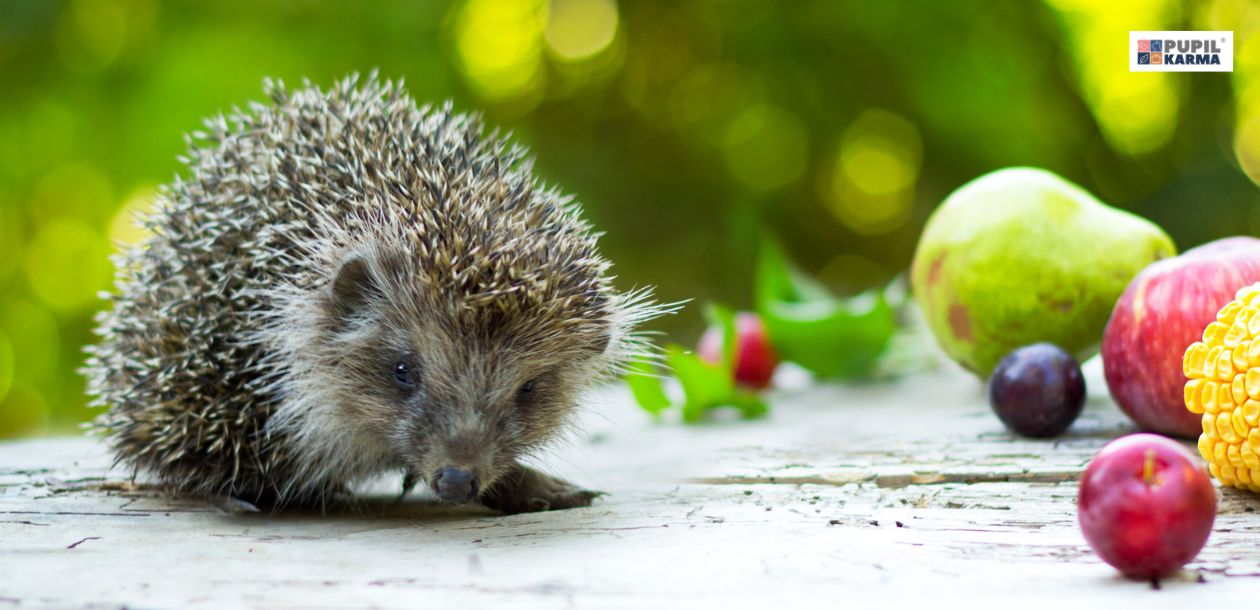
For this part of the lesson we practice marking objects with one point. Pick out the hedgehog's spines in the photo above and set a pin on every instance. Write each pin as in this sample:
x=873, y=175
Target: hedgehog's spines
x=212, y=313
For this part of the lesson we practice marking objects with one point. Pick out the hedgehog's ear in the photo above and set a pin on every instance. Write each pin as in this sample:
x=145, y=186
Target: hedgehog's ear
x=354, y=288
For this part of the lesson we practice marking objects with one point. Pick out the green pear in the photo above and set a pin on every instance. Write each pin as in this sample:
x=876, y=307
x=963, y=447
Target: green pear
x=1021, y=255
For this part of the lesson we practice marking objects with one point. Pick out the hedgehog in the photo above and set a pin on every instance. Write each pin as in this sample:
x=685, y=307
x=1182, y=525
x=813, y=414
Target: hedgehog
x=349, y=285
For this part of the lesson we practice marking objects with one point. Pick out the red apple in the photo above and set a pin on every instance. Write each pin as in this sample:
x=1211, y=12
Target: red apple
x=1165, y=309
x=1146, y=505
x=755, y=359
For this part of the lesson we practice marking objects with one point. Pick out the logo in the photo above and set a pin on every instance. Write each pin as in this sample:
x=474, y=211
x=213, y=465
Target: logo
x=1181, y=51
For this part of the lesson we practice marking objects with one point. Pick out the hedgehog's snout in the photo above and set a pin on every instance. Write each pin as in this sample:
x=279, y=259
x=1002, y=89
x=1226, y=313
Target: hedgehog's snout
x=455, y=485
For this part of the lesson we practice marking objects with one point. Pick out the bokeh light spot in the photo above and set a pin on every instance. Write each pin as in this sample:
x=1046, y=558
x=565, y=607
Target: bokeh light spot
x=90, y=33
x=871, y=186
x=876, y=166
x=1247, y=145
x=1243, y=17
x=766, y=147
x=579, y=29
x=1136, y=111
x=127, y=228
x=499, y=43
x=67, y=263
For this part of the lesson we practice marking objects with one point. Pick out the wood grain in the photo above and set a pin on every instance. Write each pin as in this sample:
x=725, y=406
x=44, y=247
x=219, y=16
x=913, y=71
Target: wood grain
x=891, y=495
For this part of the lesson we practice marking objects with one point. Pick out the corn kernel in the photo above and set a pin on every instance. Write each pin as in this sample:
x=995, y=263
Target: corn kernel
x=1234, y=456
x=1238, y=390
x=1208, y=393
x=1193, y=389
x=1214, y=333
x=1252, y=383
x=1253, y=326
x=1225, y=365
x=1244, y=314
x=1205, y=447
x=1243, y=475
x=1229, y=311
x=1209, y=363
x=1209, y=427
x=1251, y=412
x=1240, y=355
x=1249, y=456
x=1239, y=423
x=1225, y=397
x=1225, y=428
x=1192, y=363
x=1253, y=439
x=1235, y=335
x=1227, y=474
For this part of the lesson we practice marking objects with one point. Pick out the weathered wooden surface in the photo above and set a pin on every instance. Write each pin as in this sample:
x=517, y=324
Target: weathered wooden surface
x=862, y=495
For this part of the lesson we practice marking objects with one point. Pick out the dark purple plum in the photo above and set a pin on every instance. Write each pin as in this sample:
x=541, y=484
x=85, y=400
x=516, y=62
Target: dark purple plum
x=1037, y=390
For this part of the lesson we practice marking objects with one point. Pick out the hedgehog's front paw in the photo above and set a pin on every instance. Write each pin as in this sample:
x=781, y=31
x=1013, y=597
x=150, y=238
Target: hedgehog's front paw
x=525, y=490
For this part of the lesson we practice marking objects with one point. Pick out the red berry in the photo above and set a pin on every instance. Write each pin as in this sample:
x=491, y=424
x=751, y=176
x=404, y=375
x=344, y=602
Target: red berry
x=755, y=359
x=1146, y=505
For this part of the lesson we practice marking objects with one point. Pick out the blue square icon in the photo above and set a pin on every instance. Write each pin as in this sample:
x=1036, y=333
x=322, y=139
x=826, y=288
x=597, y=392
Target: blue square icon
x=1144, y=58
x=1157, y=46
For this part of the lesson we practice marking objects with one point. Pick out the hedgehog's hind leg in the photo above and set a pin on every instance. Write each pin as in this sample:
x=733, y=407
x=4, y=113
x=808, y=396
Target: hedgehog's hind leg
x=525, y=490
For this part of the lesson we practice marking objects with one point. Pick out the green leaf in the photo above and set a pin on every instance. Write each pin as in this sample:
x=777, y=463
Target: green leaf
x=708, y=386
x=703, y=384
x=646, y=386
x=750, y=404
x=835, y=338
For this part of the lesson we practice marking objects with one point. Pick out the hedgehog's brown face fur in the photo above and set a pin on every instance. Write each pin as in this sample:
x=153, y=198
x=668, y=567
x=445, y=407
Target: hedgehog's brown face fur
x=463, y=390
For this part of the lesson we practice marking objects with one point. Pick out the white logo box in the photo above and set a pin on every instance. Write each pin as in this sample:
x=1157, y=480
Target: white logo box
x=1212, y=46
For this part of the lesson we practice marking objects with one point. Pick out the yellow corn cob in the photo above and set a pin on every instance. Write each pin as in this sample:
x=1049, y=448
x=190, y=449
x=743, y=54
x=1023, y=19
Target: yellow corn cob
x=1223, y=386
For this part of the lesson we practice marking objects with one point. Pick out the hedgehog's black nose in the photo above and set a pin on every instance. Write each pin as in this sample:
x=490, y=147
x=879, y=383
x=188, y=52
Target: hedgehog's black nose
x=455, y=486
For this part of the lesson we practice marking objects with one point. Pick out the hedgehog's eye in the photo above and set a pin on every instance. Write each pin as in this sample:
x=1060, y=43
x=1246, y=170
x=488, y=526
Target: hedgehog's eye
x=526, y=391
x=405, y=375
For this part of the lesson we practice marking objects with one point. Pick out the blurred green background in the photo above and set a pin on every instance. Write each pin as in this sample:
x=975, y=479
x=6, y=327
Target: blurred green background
x=686, y=128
